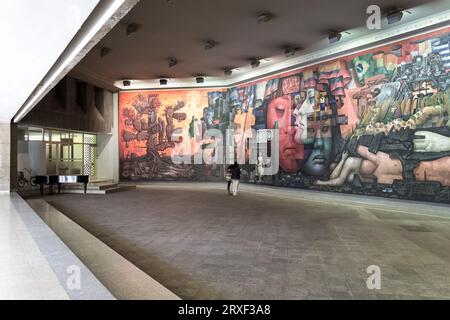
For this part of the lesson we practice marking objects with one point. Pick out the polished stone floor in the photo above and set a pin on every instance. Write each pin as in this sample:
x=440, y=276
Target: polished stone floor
x=123, y=279
x=271, y=243
x=35, y=263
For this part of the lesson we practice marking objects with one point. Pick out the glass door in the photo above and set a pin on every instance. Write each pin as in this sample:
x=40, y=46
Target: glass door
x=70, y=153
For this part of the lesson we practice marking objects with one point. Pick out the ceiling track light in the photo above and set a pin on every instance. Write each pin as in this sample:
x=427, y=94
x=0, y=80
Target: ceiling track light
x=172, y=62
x=104, y=51
x=126, y=83
x=334, y=36
x=264, y=17
x=199, y=79
x=132, y=28
x=255, y=62
x=394, y=15
x=163, y=82
x=209, y=44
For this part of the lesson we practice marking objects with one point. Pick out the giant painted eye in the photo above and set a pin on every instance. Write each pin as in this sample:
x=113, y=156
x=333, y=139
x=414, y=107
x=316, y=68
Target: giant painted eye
x=325, y=129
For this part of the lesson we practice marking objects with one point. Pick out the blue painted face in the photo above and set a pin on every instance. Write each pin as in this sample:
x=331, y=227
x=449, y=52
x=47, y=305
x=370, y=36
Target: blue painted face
x=318, y=162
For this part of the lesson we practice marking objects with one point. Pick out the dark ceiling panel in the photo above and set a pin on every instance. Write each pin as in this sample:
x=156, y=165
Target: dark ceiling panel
x=179, y=28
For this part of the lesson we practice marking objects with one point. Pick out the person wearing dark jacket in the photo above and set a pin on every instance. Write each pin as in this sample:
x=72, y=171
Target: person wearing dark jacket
x=235, y=170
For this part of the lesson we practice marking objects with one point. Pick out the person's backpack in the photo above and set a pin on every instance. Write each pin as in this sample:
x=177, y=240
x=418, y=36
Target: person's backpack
x=228, y=175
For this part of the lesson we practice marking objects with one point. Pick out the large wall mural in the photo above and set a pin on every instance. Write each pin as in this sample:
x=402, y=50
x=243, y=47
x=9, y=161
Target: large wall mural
x=147, y=121
x=376, y=122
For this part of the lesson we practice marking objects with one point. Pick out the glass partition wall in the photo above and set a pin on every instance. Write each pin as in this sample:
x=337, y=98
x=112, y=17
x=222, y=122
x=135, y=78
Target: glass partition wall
x=64, y=152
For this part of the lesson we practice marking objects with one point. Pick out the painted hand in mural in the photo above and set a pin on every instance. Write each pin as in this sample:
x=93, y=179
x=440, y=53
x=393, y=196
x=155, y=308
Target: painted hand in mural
x=427, y=141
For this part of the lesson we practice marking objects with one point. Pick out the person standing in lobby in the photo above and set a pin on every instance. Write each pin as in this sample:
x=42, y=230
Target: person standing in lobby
x=235, y=177
x=228, y=179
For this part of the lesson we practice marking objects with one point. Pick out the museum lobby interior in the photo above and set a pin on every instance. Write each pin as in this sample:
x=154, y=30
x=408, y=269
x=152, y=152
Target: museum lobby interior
x=121, y=128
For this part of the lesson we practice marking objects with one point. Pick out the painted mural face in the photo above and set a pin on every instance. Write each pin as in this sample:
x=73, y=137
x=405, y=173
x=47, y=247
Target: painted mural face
x=291, y=85
x=279, y=115
x=319, y=132
x=271, y=87
x=299, y=125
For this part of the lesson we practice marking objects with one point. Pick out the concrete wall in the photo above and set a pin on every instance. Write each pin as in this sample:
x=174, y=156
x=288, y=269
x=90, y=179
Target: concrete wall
x=5, y=156
x=107, y=149
x=104, y=160
x=115, y=138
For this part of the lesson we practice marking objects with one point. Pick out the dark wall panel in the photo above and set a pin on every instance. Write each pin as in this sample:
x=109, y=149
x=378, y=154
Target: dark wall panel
x=74, y=105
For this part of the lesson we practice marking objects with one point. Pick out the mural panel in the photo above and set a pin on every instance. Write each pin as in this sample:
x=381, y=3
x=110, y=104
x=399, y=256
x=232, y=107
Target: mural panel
x=147, y=123
x=376, y=122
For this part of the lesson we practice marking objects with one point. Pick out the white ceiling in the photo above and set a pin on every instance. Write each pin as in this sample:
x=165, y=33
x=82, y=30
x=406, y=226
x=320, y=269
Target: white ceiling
x=33, y=35
x=178, y=28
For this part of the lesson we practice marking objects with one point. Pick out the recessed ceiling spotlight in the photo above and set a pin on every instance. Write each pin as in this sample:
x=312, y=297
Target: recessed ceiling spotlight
x=163, y=82
x=199, y=79
x=209, y=44
x=394, y=15
x=334, y=36
x=264, y=17
x=172, y=62
x=126, y=83
x=255, y=62
x=132, y=28
x=290, y=51
x=227, y=72
x=104, y=51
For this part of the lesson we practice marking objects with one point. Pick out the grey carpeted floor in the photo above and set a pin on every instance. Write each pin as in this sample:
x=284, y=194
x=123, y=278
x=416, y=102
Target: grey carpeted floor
x=203, y=244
